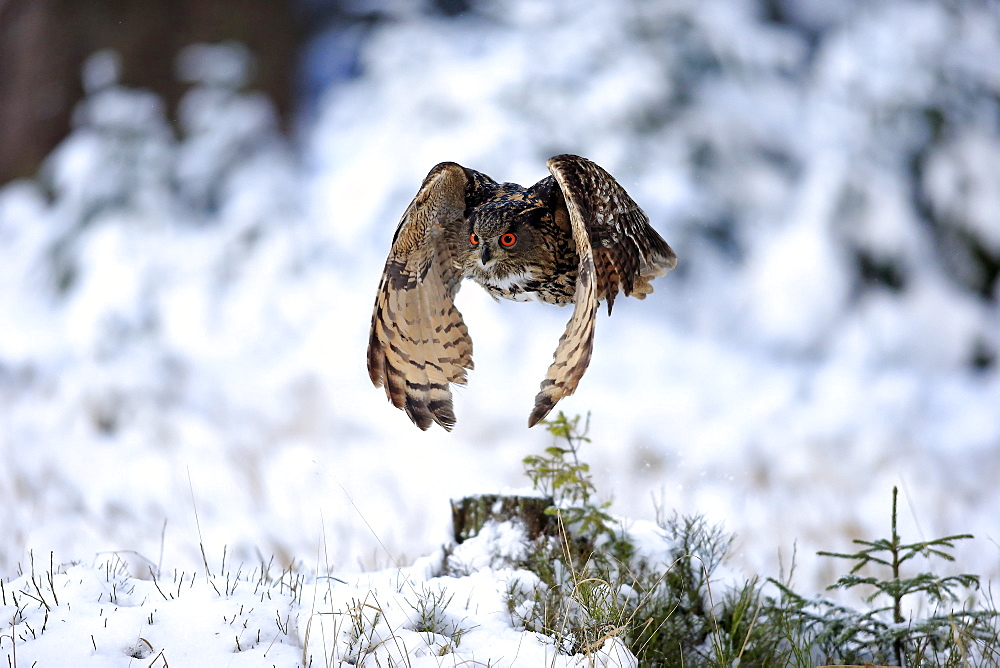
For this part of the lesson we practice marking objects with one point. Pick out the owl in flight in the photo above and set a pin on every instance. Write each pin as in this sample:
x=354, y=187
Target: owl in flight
x=574, y=237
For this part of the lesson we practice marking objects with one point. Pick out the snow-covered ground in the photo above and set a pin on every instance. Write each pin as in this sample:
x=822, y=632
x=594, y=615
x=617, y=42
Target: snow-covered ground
x=117, y=611
x=183, y=320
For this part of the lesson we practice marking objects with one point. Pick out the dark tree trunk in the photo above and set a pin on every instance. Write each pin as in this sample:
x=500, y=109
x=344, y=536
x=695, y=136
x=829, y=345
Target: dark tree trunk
x=39, y=83
x=43, y=44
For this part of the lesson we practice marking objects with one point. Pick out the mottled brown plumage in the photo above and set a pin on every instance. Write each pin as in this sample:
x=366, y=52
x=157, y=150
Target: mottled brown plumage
x=574, y=237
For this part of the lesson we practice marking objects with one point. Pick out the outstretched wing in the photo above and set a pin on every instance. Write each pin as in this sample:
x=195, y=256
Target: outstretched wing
x=419, y=343
x=618, y=250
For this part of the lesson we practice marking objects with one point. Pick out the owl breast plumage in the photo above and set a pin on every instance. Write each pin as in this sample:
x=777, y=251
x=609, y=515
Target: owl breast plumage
x=575, y=237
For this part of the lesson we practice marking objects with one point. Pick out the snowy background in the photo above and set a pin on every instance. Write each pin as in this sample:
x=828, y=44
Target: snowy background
x=184, y=312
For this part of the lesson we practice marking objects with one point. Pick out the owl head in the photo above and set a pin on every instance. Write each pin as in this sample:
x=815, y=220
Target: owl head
x=501, y=231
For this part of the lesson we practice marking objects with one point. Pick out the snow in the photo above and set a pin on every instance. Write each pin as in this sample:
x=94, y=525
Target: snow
x=183, y=314
x=118, y=609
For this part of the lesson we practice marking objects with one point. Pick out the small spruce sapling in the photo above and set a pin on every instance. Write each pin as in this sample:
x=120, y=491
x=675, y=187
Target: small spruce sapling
x=892, y=554
x=884, y=634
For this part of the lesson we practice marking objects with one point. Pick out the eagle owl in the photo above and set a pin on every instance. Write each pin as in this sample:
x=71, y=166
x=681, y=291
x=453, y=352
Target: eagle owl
x=574, y=237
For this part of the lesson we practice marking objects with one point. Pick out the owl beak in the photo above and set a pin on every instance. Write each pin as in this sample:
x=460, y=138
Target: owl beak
x=485, y=256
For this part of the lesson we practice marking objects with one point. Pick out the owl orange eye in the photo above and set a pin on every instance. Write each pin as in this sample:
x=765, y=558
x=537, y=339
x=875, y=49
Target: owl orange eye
x=508, y=239
x=474, y=239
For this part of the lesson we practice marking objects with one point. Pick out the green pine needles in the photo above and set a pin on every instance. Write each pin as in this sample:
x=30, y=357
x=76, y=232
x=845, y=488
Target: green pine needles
x=953, y=632
x=592, y=586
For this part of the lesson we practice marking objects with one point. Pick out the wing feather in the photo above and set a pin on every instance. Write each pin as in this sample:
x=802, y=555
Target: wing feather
x=418, y=343
x=618, y=251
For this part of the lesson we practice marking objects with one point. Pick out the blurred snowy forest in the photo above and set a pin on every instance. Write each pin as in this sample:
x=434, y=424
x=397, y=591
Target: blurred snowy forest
x=185, y=285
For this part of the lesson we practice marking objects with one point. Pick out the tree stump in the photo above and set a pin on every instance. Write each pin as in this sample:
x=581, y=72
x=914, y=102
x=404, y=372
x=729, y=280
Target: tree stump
x=469, y=514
